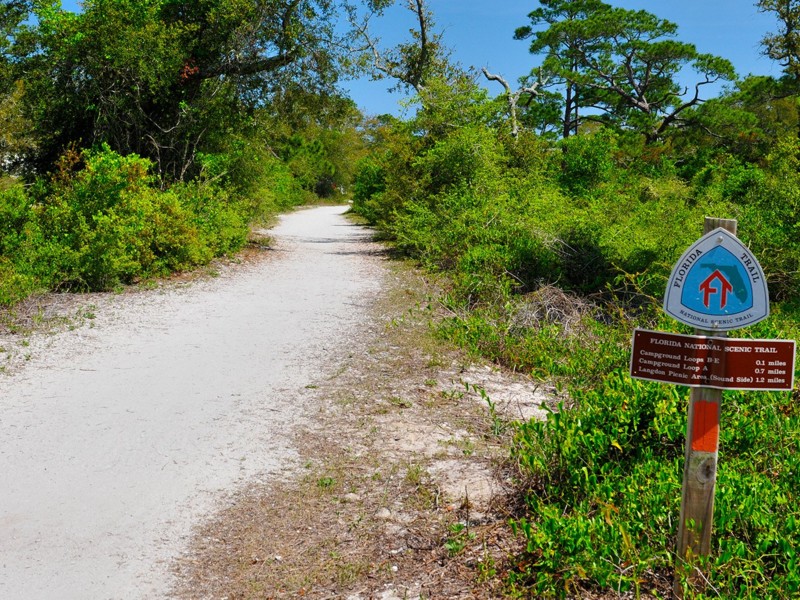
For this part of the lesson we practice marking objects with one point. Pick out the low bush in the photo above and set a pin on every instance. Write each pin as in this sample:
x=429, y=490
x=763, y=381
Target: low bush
x=368, y=185
x=768, y=217
x=602, y=481
x=588, y=160
x=102, y=220
x=487, y=244
x=21, y=269
x=107, y=223
x=258, y=182
x=221, y=221
x=601, y=476
x=14, y=286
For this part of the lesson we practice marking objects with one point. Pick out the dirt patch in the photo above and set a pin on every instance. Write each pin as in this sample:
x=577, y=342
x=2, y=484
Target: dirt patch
x=404, y=483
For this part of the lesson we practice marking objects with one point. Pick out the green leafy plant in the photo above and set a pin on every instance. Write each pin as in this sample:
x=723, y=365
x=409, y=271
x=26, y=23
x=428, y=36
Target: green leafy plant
x=458, y=537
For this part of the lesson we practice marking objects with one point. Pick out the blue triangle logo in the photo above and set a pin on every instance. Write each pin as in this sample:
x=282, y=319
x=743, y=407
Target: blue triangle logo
x=717, y=284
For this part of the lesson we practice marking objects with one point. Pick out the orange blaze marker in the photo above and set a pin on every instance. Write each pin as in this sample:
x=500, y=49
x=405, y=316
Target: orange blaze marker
x=705, y=432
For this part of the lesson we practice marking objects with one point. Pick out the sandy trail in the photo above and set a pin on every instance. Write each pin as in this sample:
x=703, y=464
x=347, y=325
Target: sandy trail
x=116, y=440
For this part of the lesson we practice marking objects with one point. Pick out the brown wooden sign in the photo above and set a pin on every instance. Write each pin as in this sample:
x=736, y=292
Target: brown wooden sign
x=722, y=363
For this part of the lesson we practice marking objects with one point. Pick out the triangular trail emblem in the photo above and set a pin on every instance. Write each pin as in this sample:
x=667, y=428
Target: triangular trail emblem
x=717, y=285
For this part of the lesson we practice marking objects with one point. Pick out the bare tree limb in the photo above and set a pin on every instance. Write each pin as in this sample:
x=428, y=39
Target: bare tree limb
x=513, y=98
x=410, y=64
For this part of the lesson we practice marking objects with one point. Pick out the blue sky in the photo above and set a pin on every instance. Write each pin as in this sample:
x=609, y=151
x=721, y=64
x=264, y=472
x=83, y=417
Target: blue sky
x=480, y=33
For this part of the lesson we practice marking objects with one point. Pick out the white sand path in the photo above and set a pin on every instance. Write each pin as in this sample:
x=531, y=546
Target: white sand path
x=116, y=439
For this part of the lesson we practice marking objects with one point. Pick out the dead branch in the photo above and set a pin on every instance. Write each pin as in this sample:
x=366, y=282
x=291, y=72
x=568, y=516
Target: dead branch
x=407, y=66
x=513, y=98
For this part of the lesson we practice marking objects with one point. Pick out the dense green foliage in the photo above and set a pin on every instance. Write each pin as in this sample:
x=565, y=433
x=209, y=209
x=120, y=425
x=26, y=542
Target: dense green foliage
x=140, y=138
x=99, y=221
x=603, y=482
x=165, y=78
x=602, y=215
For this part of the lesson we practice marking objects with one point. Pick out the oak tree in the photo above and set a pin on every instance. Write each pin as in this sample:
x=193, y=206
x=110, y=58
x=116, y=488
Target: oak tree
x=168, y=79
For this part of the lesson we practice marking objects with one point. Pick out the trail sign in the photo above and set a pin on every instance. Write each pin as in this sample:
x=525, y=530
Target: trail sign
x=717, y=285
x=713, y=362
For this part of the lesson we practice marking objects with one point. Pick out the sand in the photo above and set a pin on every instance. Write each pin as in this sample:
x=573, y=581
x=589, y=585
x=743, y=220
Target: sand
x=120, y=436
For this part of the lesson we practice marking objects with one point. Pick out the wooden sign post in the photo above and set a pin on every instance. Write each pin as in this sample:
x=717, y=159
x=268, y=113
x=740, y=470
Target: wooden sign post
x=717, y=285
x=699, y=468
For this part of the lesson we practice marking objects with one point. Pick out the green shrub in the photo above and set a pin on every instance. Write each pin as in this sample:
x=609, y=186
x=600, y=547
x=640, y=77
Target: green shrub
x=602, y=480
x=24, y=267
x=14, y=286
x=221, y=222
x=769, y=220
x=256, y=181
x=15, y=215
x=469, y=158
x=368, y=186
x=489, y=246
x=604, y=213
x=588, y=160
x=102, y=220
x=107, y=223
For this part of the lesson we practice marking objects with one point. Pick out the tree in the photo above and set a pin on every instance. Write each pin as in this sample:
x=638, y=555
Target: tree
x=15, y=138
x=168, y=79
x=110, y=74
x=318, y=135
x=557, y=41
x=513, y=98
x=15, y=43
x=411, y=63
x=622, y=64
x=740, y=126
x=784, y=46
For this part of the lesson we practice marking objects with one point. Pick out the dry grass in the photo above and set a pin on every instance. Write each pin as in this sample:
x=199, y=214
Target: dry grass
x=550, y=305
